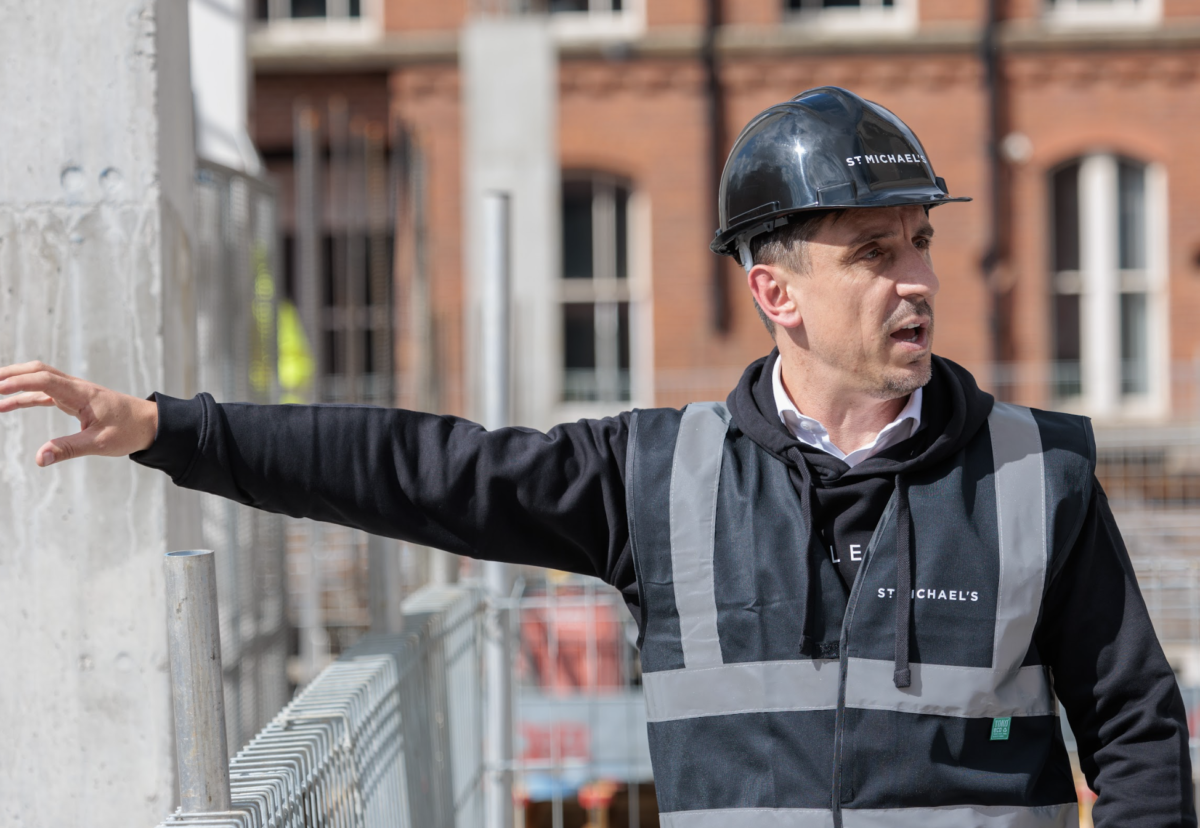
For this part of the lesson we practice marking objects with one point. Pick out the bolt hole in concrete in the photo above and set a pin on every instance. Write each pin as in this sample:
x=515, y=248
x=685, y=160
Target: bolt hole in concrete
x=73, y=181
x=112, y=182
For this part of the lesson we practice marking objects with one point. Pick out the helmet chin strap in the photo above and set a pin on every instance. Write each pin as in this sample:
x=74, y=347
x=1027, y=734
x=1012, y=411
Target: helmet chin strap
x=745, y=255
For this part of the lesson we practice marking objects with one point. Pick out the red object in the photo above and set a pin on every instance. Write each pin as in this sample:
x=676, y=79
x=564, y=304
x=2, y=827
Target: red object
x=597, y=795
x=572, y=740
x=586, y=651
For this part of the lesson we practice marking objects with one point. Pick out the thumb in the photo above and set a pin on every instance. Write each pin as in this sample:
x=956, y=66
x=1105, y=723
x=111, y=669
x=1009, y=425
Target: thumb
x=80, y=444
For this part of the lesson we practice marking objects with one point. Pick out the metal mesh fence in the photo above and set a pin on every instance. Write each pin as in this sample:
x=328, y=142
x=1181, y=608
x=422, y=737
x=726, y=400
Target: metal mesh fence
x=236, y=269
x=580, y=724
x=389, y=736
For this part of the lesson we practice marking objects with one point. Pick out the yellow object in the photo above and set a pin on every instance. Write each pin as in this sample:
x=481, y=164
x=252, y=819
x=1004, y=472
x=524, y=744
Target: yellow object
x=262, y=373
x=296, y=365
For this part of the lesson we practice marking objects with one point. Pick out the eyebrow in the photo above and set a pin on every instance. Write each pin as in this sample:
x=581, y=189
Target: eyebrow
x=868, y=236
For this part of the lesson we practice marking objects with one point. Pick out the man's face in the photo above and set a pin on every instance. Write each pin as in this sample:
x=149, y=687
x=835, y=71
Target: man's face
x=866, y=300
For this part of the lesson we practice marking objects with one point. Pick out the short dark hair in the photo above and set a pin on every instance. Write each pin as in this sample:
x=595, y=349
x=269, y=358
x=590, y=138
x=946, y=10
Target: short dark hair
x=784, y=246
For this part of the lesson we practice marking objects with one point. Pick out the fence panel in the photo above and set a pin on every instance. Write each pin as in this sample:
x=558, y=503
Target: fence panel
x=237, y=264
x=388, y=736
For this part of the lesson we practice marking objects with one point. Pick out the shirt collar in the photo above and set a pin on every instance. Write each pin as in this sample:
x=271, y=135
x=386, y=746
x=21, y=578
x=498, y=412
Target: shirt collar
x=812, y=433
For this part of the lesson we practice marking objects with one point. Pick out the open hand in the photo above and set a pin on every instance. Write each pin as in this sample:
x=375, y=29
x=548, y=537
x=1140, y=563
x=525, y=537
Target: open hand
x=111, y=424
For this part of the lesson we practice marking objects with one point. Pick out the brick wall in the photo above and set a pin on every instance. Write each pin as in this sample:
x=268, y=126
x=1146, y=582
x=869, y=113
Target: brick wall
x=275, y=96
x=1136, y=104
x=645, y=118
x=426, y=100
x=423, y=15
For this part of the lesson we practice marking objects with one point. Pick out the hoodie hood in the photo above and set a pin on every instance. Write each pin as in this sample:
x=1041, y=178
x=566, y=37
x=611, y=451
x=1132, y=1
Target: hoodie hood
x=953, y=411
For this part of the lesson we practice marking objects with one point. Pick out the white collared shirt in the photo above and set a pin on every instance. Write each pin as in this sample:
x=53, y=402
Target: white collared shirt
x=812, y=433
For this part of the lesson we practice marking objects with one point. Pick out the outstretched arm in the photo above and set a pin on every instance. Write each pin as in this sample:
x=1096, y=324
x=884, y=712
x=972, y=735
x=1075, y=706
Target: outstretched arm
x=514, y=495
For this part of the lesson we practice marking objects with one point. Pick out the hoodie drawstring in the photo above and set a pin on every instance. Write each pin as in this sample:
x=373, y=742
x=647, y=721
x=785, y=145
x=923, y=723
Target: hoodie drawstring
x=903, y=675
x=812, y=553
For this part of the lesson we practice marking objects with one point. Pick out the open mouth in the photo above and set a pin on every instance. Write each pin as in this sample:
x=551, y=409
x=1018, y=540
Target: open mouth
x=915, y=334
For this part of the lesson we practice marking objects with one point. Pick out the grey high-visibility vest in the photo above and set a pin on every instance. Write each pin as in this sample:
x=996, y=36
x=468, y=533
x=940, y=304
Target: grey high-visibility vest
x=747, y=732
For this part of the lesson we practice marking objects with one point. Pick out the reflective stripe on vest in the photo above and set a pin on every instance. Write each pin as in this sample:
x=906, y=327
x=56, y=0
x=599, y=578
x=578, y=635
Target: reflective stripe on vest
x=708, y=687
x=977, y=816
x=695, y=474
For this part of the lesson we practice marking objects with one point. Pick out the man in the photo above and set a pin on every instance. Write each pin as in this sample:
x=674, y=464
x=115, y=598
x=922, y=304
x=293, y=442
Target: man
x=862, y=586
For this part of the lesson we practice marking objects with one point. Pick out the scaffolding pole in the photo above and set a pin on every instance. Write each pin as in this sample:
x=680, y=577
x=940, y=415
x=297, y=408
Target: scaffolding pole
x=197, y=689
x=497, y=577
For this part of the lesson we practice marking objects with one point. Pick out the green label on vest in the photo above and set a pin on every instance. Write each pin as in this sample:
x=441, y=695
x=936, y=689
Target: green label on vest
x=1001, y=728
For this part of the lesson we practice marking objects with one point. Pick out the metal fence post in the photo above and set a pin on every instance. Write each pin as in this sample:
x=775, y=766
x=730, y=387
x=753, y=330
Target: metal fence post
x=497, y=577
x=197, y=689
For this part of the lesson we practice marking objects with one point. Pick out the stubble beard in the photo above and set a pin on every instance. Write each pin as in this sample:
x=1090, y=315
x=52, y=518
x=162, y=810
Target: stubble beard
x=896, y=383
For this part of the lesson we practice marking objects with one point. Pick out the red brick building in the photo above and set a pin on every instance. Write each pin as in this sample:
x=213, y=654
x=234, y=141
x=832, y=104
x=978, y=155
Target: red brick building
x=1074, y=286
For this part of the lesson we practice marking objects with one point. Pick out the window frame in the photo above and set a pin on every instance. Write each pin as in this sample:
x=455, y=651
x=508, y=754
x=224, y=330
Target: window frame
x=1101, y=284
x=632, y=290
x=864, y=20
x=1087, y=14
x=281, y=27
x=599, y=24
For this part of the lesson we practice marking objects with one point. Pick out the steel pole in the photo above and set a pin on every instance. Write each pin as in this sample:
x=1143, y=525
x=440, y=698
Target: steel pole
x=496, y=576
x=197, y=687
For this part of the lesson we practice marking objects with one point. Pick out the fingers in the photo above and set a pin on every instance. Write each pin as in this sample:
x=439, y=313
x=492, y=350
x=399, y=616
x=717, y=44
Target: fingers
x=28, y=368
x=66, y=391
x=80, y=444
x=112, y=424
x=32, y=399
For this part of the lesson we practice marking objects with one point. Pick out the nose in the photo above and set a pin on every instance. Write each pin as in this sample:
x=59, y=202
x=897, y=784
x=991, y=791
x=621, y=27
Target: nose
x=915, y=275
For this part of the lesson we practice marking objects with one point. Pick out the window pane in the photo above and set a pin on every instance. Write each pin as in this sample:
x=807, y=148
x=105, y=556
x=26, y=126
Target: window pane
x=1066, y=218
x=622, y=199
x=308, y=8
x=1131, y=207
x=261, y=9
x=1067, y=375
x=1135, y=363
x=579, y=352
x=568, y=6
x=838, y=3
x=355, y=8
x=577, y=230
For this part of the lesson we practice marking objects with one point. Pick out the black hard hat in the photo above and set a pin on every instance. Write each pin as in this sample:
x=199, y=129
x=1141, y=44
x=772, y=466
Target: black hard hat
x=825, y=149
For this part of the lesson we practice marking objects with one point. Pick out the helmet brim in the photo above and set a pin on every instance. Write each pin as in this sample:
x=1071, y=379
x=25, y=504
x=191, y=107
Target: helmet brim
x=726, y=243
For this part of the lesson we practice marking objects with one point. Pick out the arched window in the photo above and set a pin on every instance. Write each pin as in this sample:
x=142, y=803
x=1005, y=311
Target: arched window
x=595, y=288
x=1105, y=281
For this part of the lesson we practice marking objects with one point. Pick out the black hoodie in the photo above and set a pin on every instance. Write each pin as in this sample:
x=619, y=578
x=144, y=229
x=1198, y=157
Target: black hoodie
x=844, y=503
x=558, y=500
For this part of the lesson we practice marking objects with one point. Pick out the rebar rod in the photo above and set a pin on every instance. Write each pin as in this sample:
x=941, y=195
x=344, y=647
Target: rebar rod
x=197, y=689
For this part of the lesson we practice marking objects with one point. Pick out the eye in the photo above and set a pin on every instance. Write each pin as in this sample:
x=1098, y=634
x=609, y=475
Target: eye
x=873, y=253
x=923, y=243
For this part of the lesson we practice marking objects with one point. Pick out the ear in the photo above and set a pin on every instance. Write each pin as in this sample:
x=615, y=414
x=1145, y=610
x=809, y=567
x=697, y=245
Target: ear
x=771, y=287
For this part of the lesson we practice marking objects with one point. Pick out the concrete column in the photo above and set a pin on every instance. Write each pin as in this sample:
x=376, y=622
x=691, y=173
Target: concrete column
x=510, y=94
x=95, y=278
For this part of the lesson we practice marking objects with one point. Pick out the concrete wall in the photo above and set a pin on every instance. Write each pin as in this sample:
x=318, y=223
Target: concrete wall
x=95, y=277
